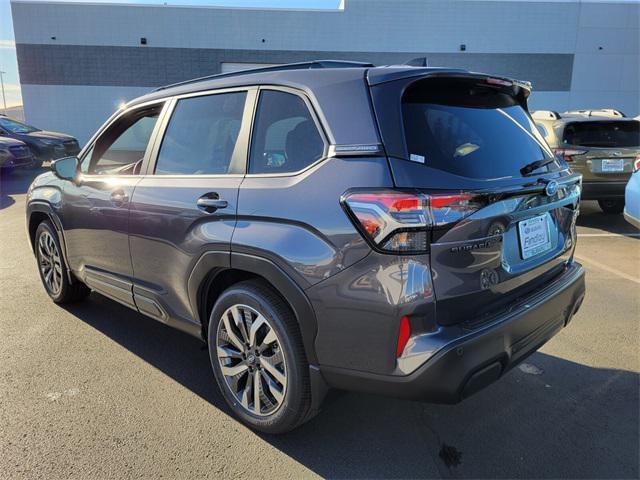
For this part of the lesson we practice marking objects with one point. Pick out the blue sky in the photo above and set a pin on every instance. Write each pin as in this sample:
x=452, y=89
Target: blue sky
x=9, y=64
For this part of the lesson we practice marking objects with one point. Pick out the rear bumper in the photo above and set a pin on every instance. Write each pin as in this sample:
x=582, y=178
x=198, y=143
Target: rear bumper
x=598, y=190
x=476, y=358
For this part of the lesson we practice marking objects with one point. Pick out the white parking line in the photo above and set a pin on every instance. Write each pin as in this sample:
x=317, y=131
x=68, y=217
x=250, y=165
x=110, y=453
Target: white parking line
x=608, y=234
x=606, y=268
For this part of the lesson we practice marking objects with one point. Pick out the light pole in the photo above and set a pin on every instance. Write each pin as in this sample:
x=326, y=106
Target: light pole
x=4, y=99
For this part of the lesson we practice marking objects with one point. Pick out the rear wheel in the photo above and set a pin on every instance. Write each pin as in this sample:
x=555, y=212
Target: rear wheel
x=52, y=268
x=257, y=357
x=611, y=205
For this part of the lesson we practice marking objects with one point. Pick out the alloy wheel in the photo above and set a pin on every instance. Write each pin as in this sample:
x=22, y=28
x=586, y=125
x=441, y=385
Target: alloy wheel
x=251, y=360
x=50, y=263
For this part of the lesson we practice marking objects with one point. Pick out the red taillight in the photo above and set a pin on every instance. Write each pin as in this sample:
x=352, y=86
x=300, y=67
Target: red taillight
x=403, y=335
x=398, y=221
x=567, y=154
x=636, y=163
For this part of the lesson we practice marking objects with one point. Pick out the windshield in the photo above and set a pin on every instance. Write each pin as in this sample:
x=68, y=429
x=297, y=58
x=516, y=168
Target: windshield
x=603, y=134
x=14, y=126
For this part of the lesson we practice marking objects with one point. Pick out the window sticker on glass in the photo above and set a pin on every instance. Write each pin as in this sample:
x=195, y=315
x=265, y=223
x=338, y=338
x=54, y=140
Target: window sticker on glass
x=416, y=158
x=465, y=149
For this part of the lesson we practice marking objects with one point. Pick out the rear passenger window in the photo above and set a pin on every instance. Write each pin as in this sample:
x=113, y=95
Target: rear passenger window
x=202, y=135
x=285, y=137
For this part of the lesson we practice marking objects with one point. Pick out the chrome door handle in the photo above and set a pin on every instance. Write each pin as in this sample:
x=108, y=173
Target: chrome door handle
x=210, y=205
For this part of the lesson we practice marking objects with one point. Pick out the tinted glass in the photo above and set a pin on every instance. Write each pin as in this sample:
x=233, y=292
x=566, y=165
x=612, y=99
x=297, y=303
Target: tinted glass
x=14, y=126
x=120, y=150
x=202, y=135
x=603, y=134
x=469, y=128
x=285, y=137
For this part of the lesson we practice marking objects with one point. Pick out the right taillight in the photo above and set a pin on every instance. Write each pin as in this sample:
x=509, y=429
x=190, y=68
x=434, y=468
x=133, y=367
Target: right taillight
x=399, y=222
x=567, y=154
x=636, y=164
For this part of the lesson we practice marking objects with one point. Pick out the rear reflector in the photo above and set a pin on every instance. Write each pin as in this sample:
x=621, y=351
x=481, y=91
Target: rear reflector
x=403, y=335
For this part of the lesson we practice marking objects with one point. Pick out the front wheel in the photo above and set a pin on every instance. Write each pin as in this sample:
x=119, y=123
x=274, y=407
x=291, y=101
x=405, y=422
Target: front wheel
x=611, y=205
x=52, y=268
x=257, y=358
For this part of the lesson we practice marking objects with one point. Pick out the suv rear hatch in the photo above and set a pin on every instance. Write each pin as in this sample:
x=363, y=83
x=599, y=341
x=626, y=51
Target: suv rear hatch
x=502, y=207
x=603, y=149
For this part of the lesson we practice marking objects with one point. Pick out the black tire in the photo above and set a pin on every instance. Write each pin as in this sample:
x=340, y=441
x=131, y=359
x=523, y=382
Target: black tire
x=611, y=205
x=294, y=407
x=62, y=291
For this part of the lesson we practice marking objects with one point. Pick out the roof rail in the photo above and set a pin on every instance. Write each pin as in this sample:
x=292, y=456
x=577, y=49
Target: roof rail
x=276, y=68
x=545, y=115
x=599, y=112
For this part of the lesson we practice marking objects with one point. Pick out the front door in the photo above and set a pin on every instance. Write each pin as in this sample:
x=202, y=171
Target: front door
x=95, y=213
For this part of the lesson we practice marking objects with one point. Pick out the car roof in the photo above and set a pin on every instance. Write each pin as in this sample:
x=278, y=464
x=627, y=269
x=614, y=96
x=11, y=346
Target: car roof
x=327, y=83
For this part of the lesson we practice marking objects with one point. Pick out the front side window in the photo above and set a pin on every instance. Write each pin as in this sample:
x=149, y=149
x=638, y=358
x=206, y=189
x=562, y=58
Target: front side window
x=285, y=137
x=120, y=150
x=202, y=135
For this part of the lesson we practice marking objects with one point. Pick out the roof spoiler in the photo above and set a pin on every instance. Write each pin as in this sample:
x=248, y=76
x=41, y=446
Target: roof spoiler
x=276, y=68
x=545, y=115
x=600, y=112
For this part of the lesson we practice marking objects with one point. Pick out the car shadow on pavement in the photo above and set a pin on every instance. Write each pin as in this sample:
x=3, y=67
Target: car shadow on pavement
x=15, y=183
x=554, y=418
x=592, y=217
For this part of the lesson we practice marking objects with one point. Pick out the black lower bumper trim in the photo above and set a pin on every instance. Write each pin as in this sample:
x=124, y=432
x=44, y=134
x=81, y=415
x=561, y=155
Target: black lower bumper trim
x=475, y=360
x=598, y=190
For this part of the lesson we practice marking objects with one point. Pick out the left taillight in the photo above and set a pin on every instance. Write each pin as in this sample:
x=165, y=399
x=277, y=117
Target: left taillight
x=400, y=222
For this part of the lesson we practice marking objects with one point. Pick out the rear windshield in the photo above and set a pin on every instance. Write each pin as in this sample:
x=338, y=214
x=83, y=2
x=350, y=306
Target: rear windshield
x=476, y=132
x=603, y=134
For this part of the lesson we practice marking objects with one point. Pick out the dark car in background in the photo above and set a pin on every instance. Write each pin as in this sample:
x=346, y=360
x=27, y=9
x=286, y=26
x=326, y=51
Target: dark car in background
x=14, y=154
x=397, y=230
x=44, y=145
x=603, y=145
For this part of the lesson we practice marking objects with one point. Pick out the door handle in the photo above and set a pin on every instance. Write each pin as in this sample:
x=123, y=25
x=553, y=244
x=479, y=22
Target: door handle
x=210, y=203
x=119, y=197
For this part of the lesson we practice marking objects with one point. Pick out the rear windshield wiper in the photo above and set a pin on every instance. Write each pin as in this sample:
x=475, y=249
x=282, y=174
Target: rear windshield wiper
x=530, y=167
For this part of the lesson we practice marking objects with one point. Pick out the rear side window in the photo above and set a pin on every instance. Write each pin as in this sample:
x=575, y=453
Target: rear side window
x=202, y=135
x=476, y=132
x=603, y=134
x=285, y=137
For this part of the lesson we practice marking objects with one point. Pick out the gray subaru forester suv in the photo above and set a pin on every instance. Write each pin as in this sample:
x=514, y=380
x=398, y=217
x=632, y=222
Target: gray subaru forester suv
x=397, y=230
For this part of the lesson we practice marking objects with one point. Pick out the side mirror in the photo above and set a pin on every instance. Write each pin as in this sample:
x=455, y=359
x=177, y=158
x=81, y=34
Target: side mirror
x=65, y=168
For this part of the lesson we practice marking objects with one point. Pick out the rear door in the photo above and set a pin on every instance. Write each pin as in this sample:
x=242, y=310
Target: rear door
x=602, y=150
x=186, y=204
x=503, y=207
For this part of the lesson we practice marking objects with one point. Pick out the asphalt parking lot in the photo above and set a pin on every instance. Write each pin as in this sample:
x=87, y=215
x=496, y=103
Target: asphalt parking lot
x=98, y=391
